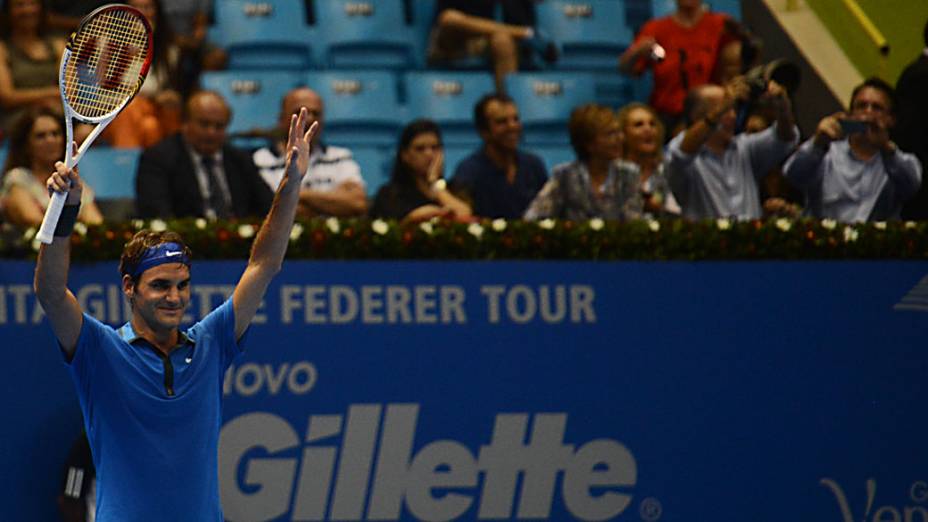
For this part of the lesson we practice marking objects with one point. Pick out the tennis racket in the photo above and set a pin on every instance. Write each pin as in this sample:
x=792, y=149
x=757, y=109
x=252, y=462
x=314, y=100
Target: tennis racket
x=102, y=67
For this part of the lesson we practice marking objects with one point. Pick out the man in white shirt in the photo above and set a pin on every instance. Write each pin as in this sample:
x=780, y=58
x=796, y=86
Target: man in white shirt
x=333, y=186
x=850, y=170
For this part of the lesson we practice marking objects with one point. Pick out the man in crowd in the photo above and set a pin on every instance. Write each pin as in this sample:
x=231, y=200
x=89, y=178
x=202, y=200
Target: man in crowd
x=195, y=173
x=149, y=392
x=714, y=172
x=498, y=178
x=334, y=186
x=850, y=170
x=911, y=132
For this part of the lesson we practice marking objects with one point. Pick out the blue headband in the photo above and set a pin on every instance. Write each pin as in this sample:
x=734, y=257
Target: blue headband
x=159, y=255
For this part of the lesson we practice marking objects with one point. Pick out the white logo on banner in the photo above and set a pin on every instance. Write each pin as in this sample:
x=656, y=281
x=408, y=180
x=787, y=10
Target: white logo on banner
x=918, y=493
x=376, y=469
x=916, y=299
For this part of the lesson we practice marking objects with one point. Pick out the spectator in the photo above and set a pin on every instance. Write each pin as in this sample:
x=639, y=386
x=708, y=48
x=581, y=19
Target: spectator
x=36, y=143
x=850, y=170
x=499, y=179
x=643, y=162
x=195, y=173
x=417, y=191
x=591, y=186
x=154, y=113
x=713, y=172
x=28, y=60
x=911, y=132
x=333, y=186
x=466, y=28
x=683, y=49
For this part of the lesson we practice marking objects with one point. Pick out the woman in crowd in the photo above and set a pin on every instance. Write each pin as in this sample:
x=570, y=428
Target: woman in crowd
x=417, y=191
x=36, y=143
x=642, y=163
x=28, y=60
x=591, y=186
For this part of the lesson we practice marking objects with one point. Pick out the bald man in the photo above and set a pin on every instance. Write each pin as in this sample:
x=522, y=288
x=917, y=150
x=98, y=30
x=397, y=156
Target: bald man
x=333, y=186
x=196, y=173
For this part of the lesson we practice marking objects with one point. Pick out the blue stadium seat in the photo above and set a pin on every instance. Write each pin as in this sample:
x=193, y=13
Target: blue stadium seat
x=554, y=155
x=591, y=33
x=254, y=97
x=375, y=162
x=448, y=98
x=4, y=151
x=361, y=107
x=545, y=101
x=110, y=172
x=615, y=90
x=270, y=34
x=665, y=7
x=365, y=34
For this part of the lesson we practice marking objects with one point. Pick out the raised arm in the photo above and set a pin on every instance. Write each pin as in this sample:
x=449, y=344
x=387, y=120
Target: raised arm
x=270, y=245
x=51, y=270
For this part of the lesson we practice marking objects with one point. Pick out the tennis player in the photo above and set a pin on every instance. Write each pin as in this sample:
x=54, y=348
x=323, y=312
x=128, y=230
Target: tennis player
x=151, y=393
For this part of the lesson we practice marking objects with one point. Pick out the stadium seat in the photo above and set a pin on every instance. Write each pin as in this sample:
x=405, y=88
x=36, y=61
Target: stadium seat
x=365, y=34
x=254, y=97
x=555, y=155
x=615, y=90
x=361, y=107
x=111, y=174
x=545, y=101
x=448, y=98
x=264, y=35
x=375, y=163
x=591, y=33
x=665, y=7
x=4, y=151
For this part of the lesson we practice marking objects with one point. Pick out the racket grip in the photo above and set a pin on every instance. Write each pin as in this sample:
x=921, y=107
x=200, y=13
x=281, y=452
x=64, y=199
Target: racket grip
x=50, y=221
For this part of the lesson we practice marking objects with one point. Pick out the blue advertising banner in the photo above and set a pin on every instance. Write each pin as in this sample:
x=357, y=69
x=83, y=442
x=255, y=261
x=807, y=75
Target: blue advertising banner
x=532, y=390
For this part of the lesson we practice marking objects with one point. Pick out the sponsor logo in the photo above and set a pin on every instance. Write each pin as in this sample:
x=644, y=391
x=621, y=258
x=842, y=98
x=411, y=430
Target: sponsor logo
x=918, y=494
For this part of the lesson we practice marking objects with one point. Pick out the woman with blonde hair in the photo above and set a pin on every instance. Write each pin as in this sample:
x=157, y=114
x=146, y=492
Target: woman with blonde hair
x=642, y=163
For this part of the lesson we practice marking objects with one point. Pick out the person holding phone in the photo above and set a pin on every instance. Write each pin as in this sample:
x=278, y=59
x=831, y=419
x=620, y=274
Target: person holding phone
x=850, y=170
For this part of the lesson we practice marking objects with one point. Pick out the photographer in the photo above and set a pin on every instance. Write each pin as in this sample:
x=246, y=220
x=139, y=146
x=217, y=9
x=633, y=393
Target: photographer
x=713, y=171
x=850, y=170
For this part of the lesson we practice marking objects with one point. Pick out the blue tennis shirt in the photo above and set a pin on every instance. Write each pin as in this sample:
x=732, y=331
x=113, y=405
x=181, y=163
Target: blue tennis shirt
x=153, y=420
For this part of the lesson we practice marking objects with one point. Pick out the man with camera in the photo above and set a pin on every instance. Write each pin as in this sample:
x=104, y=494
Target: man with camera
x=850, y=170
x=713, y=170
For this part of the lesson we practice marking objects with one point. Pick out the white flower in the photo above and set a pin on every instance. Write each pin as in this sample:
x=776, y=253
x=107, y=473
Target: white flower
x=597, y=224
x=426, y=227
x=30, y=233
x=879, y=225
x=333, y=225
x=246, y=231
x=200, y=223
x=475, y=230
x=36, y=244
x=138, y=224
x=850, y=234
x=829, y=224
x=498, y=224
x=910, y=224
x=546, y=223
x=80, y=228
x=380, y=226
x=296, y=231
x=723, y=223
x=157, y=225
x=784, y=224
x=654, y=226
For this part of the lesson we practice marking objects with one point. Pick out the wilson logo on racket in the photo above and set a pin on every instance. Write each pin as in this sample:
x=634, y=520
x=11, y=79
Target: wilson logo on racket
x=106, y=67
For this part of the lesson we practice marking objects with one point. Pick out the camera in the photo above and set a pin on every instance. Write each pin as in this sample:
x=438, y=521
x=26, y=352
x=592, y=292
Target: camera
x=658, y=53
x=783, y=72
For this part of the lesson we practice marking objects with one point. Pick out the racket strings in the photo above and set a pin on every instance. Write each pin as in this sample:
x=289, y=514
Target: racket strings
x=105, y=64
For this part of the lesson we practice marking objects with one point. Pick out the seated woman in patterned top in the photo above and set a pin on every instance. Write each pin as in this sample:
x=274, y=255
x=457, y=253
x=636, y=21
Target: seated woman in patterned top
x=643, y=162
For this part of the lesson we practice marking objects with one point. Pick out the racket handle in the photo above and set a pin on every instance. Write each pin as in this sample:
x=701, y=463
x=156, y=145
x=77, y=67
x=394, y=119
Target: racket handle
x=50, y=221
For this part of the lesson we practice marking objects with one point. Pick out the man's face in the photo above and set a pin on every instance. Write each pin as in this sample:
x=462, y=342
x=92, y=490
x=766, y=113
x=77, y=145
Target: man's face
x=872, y=105
x=302, y=98
x=161, y=295
x=504, y=129
x=715, y=98
x=205, y=128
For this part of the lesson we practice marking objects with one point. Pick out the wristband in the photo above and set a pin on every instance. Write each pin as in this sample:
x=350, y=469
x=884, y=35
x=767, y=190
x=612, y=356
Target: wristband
x=66, y=220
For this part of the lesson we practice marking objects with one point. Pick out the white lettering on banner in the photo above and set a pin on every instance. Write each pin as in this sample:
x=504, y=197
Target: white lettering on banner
x=376, y=467
x=250, y=378
x=912, y=513
x=523, y=304
x=373, y=304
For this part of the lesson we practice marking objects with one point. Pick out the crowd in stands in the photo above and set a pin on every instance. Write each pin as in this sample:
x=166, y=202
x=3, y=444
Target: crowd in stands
x=694, y=151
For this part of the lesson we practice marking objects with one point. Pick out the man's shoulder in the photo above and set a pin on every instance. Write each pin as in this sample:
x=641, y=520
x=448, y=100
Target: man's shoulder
x=165, y=151
x=472, y=165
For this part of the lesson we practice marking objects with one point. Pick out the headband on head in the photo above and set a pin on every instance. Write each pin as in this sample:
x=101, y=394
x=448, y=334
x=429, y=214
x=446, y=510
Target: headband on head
x=159, y=255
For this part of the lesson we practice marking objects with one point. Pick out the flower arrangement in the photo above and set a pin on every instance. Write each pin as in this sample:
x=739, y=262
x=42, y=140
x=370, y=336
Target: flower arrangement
x=596, y=239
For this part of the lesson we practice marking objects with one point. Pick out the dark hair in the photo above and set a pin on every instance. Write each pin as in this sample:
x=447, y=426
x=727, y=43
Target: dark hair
x=694, y=105
x=480, y=110
x=185, y=114
x=142, y=241
x=6, y=21
x=401, y=174
x=19, y=155
x=876, y=83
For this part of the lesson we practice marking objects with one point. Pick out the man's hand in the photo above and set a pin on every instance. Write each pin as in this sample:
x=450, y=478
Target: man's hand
x=778, y=96
x=298, y=142
x=828, y=130
x=65, y=180
x=737, y=89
